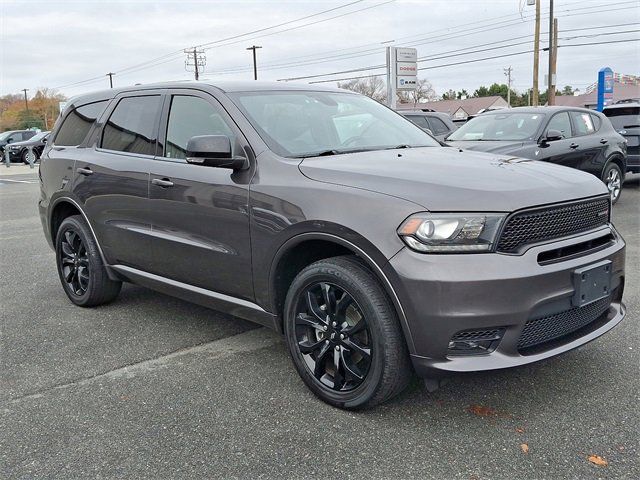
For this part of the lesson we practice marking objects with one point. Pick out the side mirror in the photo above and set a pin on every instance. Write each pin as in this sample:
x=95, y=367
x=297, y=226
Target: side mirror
x=213, y=151
x=9, y=140
x=552, y=135
x=44, y=140
x=428, y=130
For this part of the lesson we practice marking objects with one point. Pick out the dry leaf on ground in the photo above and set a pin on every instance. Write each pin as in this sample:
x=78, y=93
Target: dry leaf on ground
x=524, y=447
x=598, y=460
x=520, y=430
x=481, y=411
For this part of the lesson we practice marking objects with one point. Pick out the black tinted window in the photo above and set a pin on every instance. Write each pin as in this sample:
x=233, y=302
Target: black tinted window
x=560, y=122
x=190, y=117
x=132, y=125
x=583, y=123
x=438, y=127
x=419, y=120
x=77, y=124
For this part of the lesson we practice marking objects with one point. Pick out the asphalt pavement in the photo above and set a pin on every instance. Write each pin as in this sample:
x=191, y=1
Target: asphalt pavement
x=153, y=387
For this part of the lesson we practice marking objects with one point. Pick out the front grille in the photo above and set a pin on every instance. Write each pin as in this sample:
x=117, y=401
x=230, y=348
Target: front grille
x=548, y=223
x=470, y=335
x=553, y=327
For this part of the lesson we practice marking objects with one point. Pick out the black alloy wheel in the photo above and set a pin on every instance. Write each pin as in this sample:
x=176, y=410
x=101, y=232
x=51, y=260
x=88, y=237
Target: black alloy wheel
x=343, y=334
x=333, y=336
x=75, y=262
x=82, y=273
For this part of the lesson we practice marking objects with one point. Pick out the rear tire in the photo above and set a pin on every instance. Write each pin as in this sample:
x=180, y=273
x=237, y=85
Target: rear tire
x=80, y=268
x=613, y=179
x=343, y=335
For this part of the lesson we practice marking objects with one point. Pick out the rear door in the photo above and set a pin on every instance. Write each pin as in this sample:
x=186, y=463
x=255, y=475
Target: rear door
x=199, y=214
x=112, y=180
x=592, y=146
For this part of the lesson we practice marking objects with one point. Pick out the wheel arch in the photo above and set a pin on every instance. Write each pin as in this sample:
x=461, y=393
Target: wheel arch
x=618, y=159
x=65, y=207
x=306, y=248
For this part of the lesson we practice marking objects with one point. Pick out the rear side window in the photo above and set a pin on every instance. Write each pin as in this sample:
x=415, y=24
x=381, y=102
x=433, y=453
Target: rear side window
x=583, y=123
x=596, y=121
x=419, y=120
x=438, y=127
x=190, y=117
x=77, y=124
x=132, y=127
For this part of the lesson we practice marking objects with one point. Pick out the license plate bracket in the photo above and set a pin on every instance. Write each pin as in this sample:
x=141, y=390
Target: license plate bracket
x=591, y=283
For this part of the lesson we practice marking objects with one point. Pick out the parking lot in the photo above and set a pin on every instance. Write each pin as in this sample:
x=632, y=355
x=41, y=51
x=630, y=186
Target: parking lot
x=151, y=386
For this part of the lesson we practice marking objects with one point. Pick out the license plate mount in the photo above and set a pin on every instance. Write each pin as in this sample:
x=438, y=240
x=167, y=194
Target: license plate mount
x=591, y=283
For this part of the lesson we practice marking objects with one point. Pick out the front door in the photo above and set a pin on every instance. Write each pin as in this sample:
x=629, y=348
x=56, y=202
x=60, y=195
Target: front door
x=199, y=214
x=565, y=151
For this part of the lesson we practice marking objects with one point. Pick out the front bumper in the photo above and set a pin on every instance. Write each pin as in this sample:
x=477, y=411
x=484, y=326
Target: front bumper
x=442, y=295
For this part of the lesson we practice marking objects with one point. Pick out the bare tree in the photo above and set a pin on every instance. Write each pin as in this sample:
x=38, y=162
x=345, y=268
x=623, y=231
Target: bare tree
x=372, y=87
x=424, y=92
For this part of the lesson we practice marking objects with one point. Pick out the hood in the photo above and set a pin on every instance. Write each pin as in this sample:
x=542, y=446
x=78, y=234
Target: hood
x=491, y=146
x=447, y=179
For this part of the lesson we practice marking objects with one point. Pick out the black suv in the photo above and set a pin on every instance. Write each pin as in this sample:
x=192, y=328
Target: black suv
x=438, y=124
x=332, y=219
x=13, y=136
x=573, y=137
x=625, y=118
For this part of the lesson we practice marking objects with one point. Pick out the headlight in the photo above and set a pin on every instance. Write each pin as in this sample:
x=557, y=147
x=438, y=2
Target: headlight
x=451, y=232
x=13, y=147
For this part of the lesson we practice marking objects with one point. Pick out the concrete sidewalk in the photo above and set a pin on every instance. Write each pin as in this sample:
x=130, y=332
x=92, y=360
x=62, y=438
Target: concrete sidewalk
x=17, y=169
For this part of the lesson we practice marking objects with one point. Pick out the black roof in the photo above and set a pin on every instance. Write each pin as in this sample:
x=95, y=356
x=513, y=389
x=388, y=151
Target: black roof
x=540, y=110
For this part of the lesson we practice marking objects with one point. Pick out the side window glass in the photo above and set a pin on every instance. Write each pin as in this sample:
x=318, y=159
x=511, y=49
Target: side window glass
x=561, y=122
x=77, y=124
x=583, y=123
x=419, y=120
x=190, y=117
x=438, y=126
x=596, y=121
x=132, y=126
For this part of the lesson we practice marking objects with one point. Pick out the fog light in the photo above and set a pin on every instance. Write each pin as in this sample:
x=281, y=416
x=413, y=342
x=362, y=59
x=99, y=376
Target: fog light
x=475, y=342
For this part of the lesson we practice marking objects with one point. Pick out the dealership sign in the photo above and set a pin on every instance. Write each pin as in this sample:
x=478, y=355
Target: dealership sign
x=605, y=88
x=406, y=68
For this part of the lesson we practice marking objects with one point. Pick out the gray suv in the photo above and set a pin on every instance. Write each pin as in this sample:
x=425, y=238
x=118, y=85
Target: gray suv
x=332, y=219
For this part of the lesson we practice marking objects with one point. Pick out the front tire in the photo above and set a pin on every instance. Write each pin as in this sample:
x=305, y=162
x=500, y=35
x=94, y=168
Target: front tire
x=613, y=178
x=343, y=335
x=82, y=274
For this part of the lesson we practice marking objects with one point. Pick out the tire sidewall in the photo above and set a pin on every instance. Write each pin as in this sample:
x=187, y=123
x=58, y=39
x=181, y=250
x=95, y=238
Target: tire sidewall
x=367, y=390
x=77, y=225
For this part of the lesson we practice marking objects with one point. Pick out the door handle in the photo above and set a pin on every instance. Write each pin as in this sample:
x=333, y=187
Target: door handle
x=162, y=182
x=85, y=171
x=574, y=146
x=603, y=141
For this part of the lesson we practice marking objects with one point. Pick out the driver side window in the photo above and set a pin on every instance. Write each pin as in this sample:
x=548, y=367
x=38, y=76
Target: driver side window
x=189, y=117
x=562, y=123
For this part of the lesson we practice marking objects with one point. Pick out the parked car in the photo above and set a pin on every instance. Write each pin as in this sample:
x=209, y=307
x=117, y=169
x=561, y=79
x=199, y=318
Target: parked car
x=324, y=215
x=18, y=151
x=438, y=124
x=625, y=118
x=13, y=136
x=573, y=137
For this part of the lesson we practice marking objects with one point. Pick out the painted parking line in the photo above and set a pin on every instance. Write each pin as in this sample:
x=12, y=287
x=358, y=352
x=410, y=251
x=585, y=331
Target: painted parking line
x=2, y=180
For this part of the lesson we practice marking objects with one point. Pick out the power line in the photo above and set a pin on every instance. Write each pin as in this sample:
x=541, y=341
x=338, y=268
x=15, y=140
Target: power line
x=480, y=59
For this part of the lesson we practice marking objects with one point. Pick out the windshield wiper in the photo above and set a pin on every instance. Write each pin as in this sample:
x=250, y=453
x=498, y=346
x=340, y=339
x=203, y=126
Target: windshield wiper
x=631, y=126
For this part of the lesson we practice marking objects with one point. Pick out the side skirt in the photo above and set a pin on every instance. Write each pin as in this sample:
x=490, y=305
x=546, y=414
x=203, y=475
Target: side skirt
x=201, y=296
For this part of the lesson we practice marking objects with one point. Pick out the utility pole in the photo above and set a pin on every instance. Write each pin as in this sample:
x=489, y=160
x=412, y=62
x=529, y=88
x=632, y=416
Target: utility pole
x=550, y=89
x=553, y=54
x=110, y=75
x=536, y=56
x=26, y=103
x=255, y=66
x=507, y=72
x=195, y=59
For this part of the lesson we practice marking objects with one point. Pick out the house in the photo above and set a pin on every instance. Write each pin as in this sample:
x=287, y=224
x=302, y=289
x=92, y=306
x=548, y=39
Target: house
x=621, y=91
x=459, y=109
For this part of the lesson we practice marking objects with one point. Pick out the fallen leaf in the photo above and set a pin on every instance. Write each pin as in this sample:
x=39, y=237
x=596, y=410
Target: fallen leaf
x=481, y=411
x=524, y=447
x=598, y=460
x=520, y=430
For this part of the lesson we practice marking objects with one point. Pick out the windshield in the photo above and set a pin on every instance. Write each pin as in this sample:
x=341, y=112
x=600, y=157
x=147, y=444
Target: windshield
x=621, y=118
x=499, y=126
x=5, y=135
x=303, y=124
